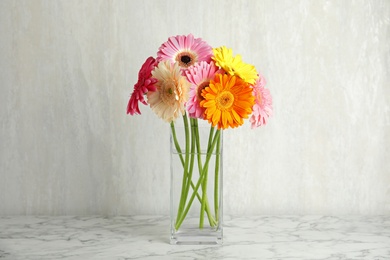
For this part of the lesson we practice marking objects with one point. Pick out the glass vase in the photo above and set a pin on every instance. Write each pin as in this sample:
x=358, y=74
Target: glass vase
x=196, y=209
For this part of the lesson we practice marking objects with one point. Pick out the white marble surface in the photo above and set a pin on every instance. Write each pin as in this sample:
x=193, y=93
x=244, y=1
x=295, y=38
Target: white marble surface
x=147, y=237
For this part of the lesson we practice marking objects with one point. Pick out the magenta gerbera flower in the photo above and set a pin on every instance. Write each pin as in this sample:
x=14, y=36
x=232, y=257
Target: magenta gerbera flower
x=262, y=109
x=186, y=50
x=145, y=84
x=199, y=76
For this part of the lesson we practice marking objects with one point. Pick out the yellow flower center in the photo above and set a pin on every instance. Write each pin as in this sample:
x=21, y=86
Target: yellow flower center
x=168, y=92
x=224, y=100
x=186, y=59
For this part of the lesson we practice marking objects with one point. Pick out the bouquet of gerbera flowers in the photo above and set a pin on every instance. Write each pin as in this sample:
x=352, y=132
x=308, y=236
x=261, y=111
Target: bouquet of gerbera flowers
x=191, y=79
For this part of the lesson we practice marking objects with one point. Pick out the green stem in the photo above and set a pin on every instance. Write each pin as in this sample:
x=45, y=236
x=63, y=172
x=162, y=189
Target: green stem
x=216, y=180
x=176, y=143
x=210, y=138
x=187, y=188
x=199, y=154
x=205, y=179
x=185, y=173
x=185, y=179
x=200, y=180
x=204, y=196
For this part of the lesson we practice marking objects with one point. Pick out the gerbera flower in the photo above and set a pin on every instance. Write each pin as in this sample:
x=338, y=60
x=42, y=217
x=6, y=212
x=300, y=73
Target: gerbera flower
x=228, y=100
x=144, y=85
x=223, y=58
x=262, y=108
x=199, y=76
x=186, y=50
x=171, y=91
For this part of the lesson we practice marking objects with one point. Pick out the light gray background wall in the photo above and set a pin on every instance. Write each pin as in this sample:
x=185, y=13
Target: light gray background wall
x=67, y=69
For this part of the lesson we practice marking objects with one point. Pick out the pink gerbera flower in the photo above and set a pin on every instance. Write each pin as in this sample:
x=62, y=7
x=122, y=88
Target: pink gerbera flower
x=186, y=50
x=262, y=108
x=145, y=84
x=199, y=76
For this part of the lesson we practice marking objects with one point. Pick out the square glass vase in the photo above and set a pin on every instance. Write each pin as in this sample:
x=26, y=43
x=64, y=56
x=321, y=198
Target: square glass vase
x=196, y=208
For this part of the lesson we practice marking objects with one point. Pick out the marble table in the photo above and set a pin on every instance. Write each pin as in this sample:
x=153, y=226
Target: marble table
x=147, y=237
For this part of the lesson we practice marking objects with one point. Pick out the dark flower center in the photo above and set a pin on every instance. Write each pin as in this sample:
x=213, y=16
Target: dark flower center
x=185, y=59
x=202, y=86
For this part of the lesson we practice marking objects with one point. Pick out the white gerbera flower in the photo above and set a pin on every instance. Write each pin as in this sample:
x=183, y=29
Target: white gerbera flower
x=171, y=91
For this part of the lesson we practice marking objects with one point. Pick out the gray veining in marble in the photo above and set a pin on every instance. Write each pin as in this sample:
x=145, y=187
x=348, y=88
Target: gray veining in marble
x=147, y=237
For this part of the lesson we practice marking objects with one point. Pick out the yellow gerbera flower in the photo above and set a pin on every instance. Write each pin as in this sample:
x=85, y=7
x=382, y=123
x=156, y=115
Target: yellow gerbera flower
x=223, y=58
x=228, y=100
x=171, y=91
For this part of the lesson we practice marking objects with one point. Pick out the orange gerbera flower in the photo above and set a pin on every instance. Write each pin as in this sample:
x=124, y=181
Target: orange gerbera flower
x=228, y=100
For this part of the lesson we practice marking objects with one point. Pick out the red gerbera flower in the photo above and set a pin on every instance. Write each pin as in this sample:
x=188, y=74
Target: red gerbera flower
x=144, y=85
